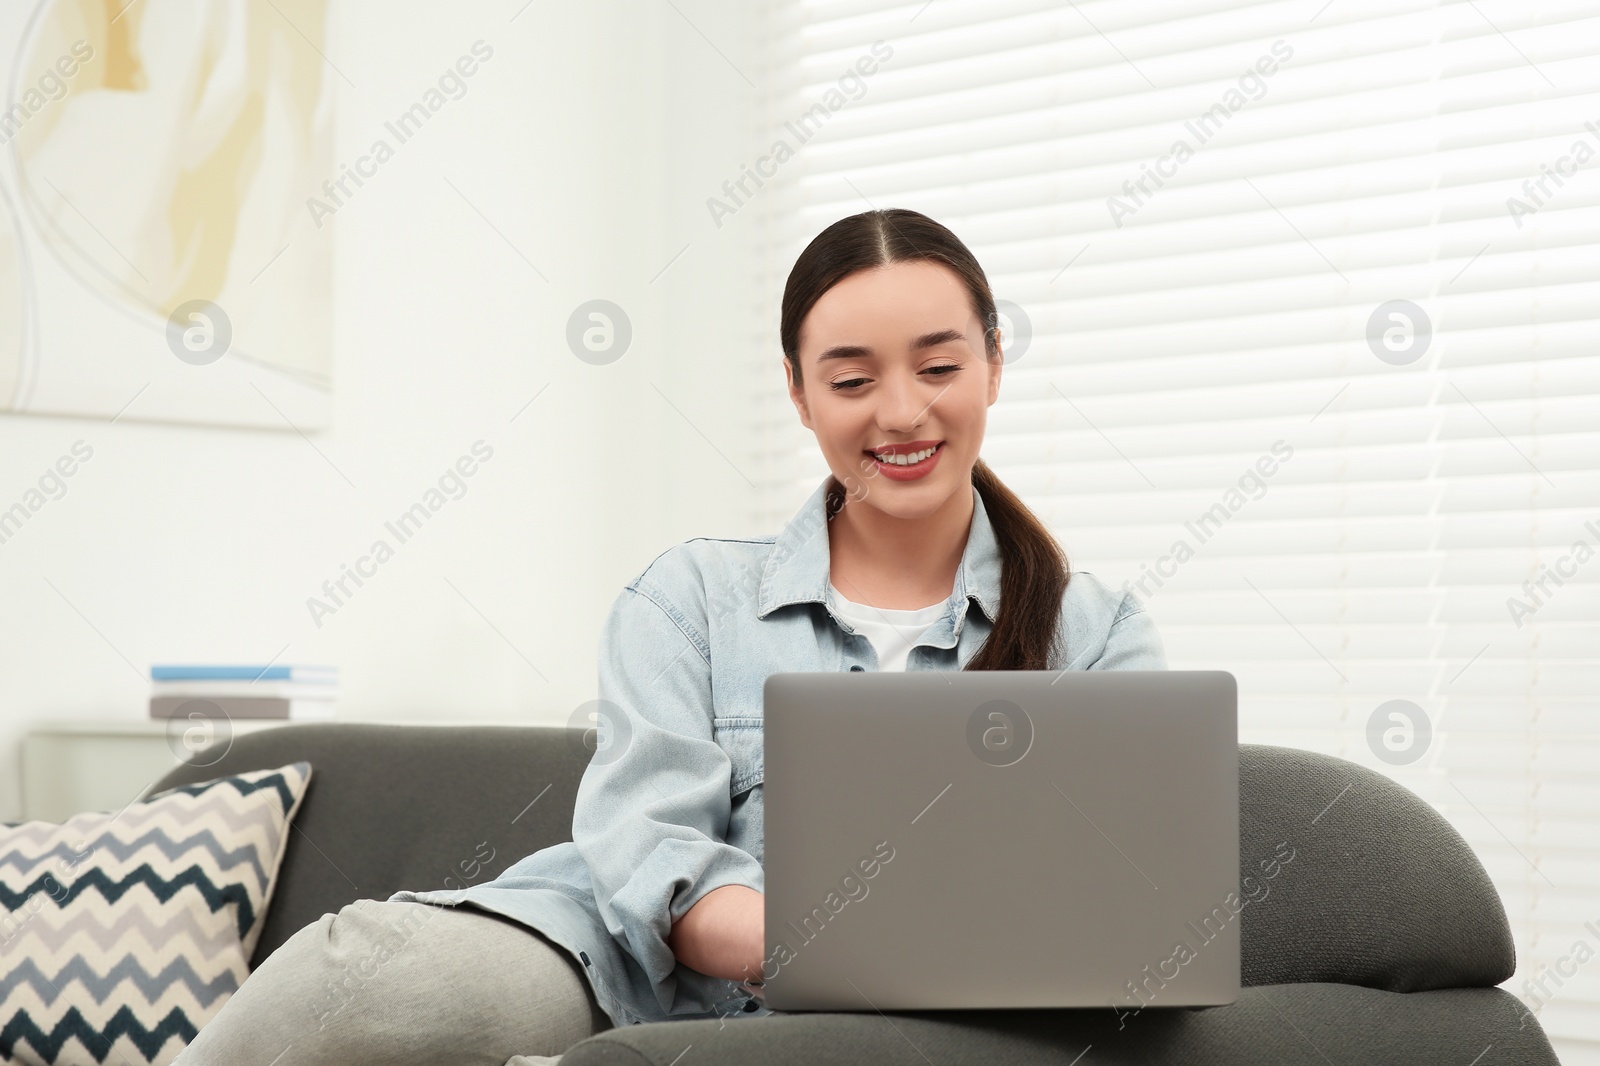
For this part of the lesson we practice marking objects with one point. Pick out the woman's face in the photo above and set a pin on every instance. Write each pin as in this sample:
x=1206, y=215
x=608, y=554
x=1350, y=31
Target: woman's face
x=892, y=364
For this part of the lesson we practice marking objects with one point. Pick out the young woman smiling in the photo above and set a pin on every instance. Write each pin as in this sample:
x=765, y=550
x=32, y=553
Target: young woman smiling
x=911, y=555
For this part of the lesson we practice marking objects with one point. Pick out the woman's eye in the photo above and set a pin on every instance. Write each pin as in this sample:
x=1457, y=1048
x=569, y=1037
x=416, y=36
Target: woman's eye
x=855, y=383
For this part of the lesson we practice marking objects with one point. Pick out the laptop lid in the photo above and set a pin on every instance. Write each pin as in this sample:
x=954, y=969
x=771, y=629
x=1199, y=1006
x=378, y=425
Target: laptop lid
x=943, y=839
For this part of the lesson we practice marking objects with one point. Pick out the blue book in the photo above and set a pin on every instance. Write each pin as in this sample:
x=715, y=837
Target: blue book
x=326, y=675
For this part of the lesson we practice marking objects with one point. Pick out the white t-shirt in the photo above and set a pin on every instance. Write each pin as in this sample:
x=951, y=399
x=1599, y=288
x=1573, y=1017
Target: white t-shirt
x=893, y=633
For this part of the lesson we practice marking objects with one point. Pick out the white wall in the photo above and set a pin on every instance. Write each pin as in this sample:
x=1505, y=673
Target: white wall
x=591, y=139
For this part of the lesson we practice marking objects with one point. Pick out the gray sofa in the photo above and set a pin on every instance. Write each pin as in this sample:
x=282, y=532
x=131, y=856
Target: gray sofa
x=1381, y=942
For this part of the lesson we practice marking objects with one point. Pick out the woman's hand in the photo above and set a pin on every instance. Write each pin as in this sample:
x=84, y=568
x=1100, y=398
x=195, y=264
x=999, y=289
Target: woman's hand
x=723, y=934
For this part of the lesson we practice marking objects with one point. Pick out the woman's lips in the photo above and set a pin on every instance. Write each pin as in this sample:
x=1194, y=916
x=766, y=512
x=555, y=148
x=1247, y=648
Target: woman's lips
x=911, y=471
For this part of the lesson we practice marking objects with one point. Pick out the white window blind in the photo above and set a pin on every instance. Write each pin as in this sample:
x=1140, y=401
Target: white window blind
x=1431, y=457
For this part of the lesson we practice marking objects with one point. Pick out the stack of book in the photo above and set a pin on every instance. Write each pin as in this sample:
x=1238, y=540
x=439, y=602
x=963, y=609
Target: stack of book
x=276, y=691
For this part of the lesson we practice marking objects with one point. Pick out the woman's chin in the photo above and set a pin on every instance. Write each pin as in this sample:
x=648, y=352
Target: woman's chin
x=908, y=500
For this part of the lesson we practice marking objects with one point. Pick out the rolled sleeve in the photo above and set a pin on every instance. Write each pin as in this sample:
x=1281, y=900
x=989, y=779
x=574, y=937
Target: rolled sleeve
x=1132, y=642
x=652, y=810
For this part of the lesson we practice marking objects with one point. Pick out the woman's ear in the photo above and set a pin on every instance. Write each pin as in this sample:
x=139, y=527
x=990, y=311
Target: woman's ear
x=797, y=395
x=996, y=365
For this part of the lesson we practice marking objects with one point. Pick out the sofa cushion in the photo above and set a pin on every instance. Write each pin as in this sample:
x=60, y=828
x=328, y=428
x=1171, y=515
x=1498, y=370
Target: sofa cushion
x=1381, y=891
x=1275, y=1025
x=407, y=806
x=122, y=934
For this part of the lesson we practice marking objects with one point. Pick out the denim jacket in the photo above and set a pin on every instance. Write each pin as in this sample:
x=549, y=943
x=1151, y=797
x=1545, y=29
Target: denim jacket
x=670, y=806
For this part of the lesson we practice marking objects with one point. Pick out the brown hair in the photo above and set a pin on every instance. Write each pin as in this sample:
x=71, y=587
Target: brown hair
x=1033, y=570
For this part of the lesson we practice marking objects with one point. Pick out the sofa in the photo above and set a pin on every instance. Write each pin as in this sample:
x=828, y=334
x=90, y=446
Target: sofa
x=1381, y=941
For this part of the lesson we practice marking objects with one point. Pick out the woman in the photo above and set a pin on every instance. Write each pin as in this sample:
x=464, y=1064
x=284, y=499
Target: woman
x=654, y=909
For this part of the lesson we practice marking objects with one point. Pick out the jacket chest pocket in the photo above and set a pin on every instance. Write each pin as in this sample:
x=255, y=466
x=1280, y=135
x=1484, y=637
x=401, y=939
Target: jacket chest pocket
x=741, y=738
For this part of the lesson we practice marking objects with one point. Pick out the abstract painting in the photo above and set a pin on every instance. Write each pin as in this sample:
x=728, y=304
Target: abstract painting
x=156, y=258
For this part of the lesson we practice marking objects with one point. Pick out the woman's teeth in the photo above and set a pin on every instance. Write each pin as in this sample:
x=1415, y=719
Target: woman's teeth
x=906, y=458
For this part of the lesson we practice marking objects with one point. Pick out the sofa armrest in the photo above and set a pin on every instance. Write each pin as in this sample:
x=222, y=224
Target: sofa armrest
x=1381, y=892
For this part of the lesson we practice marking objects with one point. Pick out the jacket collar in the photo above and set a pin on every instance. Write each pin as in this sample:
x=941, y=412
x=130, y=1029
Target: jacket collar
x=797, y=570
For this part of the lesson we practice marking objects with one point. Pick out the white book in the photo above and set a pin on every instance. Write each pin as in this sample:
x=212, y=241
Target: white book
x=272, y=690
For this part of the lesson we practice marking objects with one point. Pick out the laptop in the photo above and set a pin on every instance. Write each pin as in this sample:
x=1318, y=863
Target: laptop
x=944, y=839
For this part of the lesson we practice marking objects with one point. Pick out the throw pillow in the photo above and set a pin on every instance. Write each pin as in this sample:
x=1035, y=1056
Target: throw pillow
x=122, y=934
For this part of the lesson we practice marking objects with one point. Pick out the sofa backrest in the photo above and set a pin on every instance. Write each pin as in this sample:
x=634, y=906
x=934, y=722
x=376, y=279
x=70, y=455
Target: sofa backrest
x=399, y=806
x=1345, y=876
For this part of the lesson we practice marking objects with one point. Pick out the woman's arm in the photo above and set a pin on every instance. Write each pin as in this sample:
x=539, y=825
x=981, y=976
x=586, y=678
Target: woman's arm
x=652, y=811
x=723, y=934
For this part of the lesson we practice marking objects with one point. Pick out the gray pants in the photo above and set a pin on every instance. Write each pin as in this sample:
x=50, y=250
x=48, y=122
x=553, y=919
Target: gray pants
x=405, y=984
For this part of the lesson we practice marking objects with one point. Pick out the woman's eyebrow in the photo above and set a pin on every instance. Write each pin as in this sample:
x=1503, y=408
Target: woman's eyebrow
x=858, y=351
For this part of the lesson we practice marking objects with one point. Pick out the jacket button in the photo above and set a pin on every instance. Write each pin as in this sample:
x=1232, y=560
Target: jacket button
x=857, y=669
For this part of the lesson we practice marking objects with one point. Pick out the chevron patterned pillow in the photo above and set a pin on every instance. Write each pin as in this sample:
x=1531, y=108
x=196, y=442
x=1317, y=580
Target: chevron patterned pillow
x=122, y=934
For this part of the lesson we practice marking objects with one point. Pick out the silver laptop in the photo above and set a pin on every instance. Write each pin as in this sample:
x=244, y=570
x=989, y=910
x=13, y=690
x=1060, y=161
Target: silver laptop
x=944, y=839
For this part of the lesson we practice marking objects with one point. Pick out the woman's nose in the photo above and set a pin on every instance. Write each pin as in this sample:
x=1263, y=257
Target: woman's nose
x=902, y=407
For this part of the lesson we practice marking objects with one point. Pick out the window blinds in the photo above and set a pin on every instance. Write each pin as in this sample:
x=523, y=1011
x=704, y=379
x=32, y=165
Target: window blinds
x=1304, y=323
